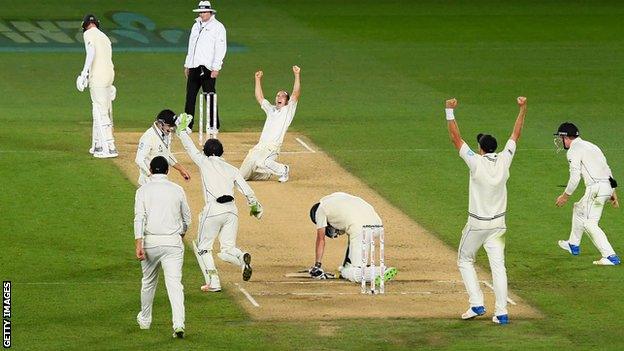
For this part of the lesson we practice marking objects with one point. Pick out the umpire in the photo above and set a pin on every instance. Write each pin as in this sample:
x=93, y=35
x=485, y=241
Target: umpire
x=206, y=50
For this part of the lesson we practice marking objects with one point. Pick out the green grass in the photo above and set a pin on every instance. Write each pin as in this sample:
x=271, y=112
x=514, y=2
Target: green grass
x=374, y=76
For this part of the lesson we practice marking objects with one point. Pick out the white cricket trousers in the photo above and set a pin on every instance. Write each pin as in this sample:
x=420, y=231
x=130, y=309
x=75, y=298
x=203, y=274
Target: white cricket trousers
x=493, y=241
x=102, y=136
x=586, y=215
x=352, y=268
x=225, y=226
x=260, y=163
x=170, y=258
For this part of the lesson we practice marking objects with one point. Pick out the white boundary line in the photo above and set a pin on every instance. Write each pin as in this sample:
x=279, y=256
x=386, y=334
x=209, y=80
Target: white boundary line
x=491, y=287
x=248, y=295
x=305, y=145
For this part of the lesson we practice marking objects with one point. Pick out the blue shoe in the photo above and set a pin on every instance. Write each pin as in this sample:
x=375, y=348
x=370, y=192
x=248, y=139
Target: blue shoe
x=474, y=312
x=612, y=260
x=502, y=319
x=575, y=250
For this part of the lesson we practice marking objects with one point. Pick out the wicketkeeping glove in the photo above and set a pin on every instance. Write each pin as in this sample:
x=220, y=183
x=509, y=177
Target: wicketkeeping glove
x=255, y=209
x=182, y=123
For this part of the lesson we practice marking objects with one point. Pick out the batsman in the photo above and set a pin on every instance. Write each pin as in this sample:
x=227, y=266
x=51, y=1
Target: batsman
x=338, y=214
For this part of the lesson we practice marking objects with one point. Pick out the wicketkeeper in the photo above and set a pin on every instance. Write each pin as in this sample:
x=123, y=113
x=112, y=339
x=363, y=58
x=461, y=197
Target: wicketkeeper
x=220, y=214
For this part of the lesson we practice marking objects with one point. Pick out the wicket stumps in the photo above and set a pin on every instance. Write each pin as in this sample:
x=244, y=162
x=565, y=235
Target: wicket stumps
x=208, y=111
x=369, y=232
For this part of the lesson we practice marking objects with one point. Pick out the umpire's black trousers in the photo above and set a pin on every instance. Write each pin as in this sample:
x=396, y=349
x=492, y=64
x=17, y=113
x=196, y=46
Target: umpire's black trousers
x=198, y=77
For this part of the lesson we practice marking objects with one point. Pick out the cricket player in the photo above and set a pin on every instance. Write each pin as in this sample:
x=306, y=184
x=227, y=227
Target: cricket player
x=206, y=50
x=220, y=214
x=341, y=213
x=156, y=141
x=161, y=218
x=487, y=206
x=261, y=161
x=98, y=74
x=587, y=160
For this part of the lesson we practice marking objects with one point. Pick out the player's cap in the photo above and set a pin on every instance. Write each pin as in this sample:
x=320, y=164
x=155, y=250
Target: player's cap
x=487, y=143
x=167, y=117
x=204, y=6
x=88, y=19
x=567, y=129
x=313, y=212
x=159, y=165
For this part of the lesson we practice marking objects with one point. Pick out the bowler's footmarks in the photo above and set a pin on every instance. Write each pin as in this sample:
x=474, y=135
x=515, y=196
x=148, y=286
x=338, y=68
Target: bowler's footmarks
x=247, y=268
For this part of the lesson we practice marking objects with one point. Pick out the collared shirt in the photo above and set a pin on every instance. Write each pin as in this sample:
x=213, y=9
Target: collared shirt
x=207, y=44
x=487, y=200
x=161, y=212
x=277, y=121
x=218, y=179
x=153, y=143
x=345, y=212
x=586, y=159
x=101, y=72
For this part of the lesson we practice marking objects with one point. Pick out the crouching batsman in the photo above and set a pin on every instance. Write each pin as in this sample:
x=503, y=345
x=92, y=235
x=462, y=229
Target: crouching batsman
x=220, y=214
x=341, y=213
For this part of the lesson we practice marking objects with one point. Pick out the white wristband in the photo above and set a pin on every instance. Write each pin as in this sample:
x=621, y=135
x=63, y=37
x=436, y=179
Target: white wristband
x=449, y=114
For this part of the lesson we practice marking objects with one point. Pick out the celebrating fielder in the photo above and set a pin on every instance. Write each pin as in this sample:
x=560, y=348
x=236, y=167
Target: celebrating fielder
x=161, y=218
x=261, y=161
x=588, y=161
x=341, y=213
x=98, y=74
x=487, y=206
x=220, y=214
x=156, y=141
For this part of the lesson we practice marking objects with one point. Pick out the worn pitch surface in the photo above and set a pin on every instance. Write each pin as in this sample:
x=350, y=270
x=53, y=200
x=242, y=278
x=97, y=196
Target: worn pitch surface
x=428, y=284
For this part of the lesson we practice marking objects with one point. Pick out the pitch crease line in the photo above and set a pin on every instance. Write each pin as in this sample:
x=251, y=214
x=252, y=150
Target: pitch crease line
x=248, y=295
x=491, y=287
x=305, y=145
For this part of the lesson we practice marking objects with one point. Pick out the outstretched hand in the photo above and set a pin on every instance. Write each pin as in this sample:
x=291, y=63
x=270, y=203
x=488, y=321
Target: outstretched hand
x=451, y=103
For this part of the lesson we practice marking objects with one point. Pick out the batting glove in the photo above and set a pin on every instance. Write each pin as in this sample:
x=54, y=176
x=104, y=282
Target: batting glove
x=256, y=210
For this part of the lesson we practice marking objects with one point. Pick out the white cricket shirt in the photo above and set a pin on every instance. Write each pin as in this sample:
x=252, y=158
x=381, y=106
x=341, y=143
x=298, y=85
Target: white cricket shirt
x=207, y=44
x=161, y=212
x=218, y=178
x=487, y=200
x=101, y=73
x=153, y=143
x=277, y=121
x=586, y=159
x=345, y=212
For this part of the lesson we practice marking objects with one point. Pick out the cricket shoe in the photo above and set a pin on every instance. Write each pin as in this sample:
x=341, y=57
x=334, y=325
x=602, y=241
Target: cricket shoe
x=284, y=177
x=247, y=267
x=612, y=260
x=574, y=250
x=389, y=274
x=473, y=312
x=111, y=154
x=178, y=333
x=142, y=324
x=502, y=319
x=214, y=286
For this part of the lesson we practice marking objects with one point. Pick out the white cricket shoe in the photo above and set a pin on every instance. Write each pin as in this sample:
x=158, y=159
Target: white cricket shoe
x=214, y=286
x=142, y=324
x=284, y=177
x=612, y=260
x=473, y=312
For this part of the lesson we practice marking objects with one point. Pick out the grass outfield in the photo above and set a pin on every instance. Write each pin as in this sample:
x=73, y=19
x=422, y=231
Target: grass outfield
x=374, y=77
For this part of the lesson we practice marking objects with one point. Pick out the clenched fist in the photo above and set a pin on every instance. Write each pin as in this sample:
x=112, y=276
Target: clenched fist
x=259, y=74
x=451, y=103
x=296, y=69
x=521, y=101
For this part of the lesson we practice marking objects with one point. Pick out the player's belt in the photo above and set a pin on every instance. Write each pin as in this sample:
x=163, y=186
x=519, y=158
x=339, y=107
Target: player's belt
x=486, y=218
